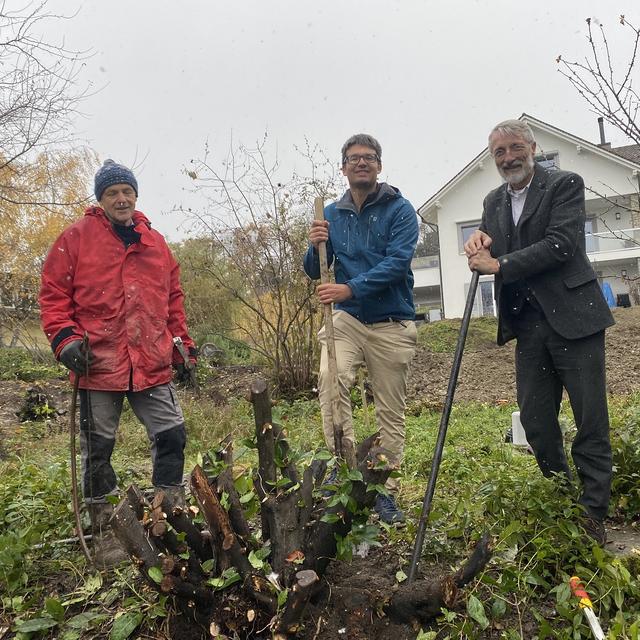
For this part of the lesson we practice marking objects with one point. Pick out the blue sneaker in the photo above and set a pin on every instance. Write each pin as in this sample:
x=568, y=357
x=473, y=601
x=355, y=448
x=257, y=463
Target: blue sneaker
x=329, y=480
x=387, y=509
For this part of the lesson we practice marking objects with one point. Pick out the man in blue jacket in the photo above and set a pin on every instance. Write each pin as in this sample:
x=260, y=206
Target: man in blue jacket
x=371, y=235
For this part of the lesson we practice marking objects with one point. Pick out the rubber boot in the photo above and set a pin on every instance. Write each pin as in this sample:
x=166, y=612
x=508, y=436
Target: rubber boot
x=106, y=548
x=176, y=496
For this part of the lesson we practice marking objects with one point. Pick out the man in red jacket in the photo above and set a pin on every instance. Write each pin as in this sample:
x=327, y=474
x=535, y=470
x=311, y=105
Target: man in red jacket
x=112, y=276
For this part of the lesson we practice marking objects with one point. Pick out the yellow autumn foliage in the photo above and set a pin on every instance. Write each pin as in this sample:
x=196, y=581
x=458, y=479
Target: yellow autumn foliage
x=38, y=200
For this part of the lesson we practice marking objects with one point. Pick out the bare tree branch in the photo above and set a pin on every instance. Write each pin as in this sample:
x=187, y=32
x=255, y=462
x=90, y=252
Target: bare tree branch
x=260, y=224
x=610, y=95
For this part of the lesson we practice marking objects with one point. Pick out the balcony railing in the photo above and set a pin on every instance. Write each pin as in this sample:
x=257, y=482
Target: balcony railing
x=613, y=240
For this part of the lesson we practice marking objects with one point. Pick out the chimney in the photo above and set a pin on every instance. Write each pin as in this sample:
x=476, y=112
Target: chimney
x=603, y=143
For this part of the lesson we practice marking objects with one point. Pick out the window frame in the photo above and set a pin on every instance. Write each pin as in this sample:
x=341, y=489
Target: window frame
x=463, y=225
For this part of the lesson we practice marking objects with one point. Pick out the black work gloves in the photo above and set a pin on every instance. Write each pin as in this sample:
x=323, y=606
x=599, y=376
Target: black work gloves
x=182, y=375
x=75, y=358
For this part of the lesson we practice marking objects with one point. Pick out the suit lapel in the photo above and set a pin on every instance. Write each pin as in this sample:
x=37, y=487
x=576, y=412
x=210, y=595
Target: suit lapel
x=534, y=196
x=504, y=213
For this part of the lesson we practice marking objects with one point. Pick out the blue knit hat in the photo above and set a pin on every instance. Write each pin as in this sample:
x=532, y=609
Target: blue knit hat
x=111, y=173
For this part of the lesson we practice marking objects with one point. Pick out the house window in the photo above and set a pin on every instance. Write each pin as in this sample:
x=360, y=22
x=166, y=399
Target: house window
x=548, y=160
x=484, y=303
x=465, y=229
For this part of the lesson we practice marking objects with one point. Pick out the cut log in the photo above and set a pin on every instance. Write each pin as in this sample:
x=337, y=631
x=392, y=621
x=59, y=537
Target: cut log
x=228, y=549
x=265, y=479
x=133, y=538
x=182, y=523
x=302, y=590
x=137, y=500
x=476, y=563
x=423, y=600
x=149, y=558
x=224, y=483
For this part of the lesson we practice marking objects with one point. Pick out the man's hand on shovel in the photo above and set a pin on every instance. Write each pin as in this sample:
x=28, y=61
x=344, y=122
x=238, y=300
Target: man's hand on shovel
x=330, y=293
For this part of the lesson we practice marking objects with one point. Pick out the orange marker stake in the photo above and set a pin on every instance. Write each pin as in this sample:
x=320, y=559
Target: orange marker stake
x=578, y=590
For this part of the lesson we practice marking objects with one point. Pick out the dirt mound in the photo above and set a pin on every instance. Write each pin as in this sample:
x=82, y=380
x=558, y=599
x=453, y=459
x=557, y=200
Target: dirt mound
x=487, y=373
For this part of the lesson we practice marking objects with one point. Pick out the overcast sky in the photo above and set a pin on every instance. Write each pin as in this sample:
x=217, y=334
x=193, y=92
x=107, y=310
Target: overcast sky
x=427, y=78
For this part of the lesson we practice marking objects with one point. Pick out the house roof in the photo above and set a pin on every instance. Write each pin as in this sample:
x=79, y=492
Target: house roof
x=630, y=152
x=629, y=156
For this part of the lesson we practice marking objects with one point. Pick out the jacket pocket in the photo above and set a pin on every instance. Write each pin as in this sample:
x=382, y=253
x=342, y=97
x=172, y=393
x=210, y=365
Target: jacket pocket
x=580, y=278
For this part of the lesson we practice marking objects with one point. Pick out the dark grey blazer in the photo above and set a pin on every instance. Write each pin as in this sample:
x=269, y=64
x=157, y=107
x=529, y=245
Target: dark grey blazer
x=552, y=261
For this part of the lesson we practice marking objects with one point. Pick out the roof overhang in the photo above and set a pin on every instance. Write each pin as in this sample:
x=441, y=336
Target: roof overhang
x=429, y=210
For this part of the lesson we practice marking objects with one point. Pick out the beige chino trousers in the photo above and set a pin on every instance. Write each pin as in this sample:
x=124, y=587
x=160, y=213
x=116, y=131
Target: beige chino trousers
x=386, y=348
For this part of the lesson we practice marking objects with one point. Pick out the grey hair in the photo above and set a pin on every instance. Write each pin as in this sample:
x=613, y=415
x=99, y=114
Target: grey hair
x=514, y=128
x=362, y=139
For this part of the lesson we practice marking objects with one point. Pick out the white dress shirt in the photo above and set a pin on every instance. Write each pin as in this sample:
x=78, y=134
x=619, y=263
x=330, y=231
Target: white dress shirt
x=518, y=198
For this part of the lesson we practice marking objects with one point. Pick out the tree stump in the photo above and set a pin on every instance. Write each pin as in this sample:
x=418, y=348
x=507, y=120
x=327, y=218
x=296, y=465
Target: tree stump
x=194, y=558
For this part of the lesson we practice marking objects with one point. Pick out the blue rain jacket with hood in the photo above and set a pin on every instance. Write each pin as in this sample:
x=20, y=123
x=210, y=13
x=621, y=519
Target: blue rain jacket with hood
x=371, y=251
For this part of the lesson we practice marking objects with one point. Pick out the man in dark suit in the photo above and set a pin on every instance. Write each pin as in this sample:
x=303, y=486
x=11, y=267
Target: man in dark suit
x=532, y=238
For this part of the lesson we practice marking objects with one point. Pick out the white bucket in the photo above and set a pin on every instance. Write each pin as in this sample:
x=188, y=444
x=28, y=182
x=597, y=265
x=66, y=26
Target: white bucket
x=517, y=430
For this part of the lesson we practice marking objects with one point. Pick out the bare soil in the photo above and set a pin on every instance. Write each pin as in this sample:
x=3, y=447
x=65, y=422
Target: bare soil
x=487, y=374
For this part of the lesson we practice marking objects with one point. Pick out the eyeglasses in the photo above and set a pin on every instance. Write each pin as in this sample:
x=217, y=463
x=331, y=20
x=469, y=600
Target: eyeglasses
x=355, y=158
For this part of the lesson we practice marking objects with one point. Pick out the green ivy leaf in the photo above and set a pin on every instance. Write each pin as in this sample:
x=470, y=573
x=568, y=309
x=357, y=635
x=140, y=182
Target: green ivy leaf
x=36, y=624
x=247, y=497
x=475, y=608
x=282, y=597
x=54, y=608
x=330, y=518
x=499, y=608
x=207, y=565
x=86, y=619
x=255, y=561
x=155, y=574
x=355, y=475
x=228, y=577
x=125, y=625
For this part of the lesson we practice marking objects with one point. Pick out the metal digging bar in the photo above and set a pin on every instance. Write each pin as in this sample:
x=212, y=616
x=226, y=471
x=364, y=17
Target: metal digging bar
x=442, y=431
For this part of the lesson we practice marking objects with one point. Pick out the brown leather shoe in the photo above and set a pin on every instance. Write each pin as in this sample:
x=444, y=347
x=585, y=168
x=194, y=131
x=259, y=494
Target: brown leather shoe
x=106, y=548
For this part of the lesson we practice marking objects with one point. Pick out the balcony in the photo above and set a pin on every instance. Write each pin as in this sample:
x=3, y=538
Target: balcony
x=613, y=244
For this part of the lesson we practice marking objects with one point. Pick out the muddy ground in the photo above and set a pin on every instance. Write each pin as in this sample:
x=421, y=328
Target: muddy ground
x=487, y=375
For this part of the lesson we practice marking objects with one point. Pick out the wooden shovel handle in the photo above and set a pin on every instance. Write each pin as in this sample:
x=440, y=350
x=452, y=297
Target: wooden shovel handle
x=318, y=205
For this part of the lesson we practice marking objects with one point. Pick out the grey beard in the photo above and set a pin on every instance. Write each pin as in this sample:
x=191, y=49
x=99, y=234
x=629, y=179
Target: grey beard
x=519, y=176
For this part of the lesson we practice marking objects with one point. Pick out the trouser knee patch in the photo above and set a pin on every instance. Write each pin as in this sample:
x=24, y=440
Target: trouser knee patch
x=169, y=462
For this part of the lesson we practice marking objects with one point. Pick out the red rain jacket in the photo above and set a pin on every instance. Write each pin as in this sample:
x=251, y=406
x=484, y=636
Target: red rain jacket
x=129, y=301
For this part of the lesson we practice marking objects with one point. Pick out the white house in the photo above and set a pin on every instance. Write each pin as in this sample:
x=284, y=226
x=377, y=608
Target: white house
x=612, y=182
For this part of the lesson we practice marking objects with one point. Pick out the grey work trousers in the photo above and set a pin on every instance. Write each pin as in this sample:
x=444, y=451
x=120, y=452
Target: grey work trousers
x=157, y=409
